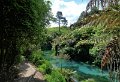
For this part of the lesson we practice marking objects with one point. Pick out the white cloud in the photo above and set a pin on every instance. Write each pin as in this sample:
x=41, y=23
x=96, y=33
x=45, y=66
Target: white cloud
x=71, y=10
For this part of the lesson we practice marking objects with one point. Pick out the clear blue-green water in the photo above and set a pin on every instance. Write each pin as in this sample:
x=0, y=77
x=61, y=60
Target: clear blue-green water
x=79, y=67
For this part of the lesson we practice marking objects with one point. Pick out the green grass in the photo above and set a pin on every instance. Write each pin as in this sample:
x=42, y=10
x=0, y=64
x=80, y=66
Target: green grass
x=63, y=30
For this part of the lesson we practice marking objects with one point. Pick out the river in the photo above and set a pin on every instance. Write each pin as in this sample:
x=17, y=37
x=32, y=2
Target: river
x=79, y=67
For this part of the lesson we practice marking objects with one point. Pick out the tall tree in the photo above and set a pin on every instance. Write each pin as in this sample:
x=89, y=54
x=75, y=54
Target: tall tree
x=64, y=21
x=22, y=22
x=59, y=17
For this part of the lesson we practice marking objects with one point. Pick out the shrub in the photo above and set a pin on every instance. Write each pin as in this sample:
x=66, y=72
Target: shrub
x=45, y=68
x=67, y=73
x=36, y=57
x=55, y=76
x=20, y=59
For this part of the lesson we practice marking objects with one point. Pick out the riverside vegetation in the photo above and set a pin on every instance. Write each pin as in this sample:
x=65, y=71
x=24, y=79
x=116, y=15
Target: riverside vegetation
x=24, y=36
x=87, y=40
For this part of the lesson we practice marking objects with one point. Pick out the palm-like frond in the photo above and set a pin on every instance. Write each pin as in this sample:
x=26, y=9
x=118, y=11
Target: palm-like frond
x=101, y=4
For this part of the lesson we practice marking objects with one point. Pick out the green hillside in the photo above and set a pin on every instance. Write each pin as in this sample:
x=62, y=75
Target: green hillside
x=88, y=41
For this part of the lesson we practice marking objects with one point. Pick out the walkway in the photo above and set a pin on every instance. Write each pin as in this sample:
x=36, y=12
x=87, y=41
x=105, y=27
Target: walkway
x=28, y=73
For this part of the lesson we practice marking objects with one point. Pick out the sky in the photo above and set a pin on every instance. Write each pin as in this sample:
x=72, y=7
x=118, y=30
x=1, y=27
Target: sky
x=71, y=9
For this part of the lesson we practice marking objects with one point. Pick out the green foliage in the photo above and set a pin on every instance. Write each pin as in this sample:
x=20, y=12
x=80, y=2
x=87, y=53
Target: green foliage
x=90, y=40
x=67, y=73
x=22, y=25
x=47, y=44
x=19, y=59
x=115, y=7
x=55, y=76
x=110, y=17
x=45, y=68
x=94, y=10
x=36, y=57
x=82, y=15
x=53, y=34
x=70, y=43
x=52, y=30
x=83, y=33
x=84, y=42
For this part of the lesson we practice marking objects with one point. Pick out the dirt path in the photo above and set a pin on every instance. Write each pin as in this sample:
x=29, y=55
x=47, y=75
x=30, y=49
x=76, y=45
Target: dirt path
x=28, y=73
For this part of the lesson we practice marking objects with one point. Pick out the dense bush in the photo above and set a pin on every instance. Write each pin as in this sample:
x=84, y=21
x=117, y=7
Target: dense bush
x=36, y=57
x=55, y=76
x=22, y=23
x=47, y=44
x=77, y=44
x=86, y=44
x=45, y=67
x=51, y=34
